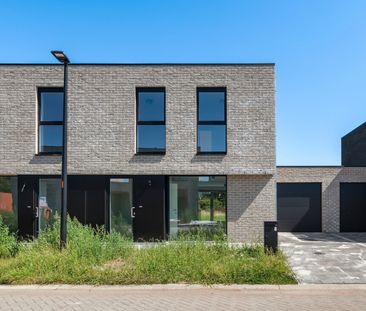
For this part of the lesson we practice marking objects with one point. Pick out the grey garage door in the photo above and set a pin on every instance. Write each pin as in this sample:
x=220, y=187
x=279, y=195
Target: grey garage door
x=299, y=207
x=353, y=207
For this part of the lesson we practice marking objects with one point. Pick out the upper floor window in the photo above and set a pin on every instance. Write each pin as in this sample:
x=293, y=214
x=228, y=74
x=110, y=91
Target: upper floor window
x=211, y=120
x=150, y=120
x=50, y=116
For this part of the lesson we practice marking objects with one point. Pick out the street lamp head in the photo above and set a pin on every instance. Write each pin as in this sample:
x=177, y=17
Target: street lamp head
x=60, y=56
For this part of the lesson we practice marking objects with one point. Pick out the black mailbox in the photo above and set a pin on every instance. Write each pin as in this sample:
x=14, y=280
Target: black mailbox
x=270, y=235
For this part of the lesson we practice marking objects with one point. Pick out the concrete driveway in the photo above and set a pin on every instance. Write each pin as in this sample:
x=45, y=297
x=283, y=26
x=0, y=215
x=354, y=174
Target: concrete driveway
x=329, y=258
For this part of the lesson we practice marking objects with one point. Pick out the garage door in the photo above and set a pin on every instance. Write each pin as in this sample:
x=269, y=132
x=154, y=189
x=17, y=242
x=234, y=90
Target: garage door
x=353, y=207
x=299, y=207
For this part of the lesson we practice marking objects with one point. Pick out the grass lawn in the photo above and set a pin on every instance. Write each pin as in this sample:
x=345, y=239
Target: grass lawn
x=93, y=257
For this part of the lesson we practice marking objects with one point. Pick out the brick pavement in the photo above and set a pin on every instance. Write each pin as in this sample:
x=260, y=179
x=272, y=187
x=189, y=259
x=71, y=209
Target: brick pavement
x=180, y=297
x=326, y=258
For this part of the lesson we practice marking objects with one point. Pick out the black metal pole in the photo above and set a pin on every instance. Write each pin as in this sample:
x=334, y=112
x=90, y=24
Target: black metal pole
x=63, y=227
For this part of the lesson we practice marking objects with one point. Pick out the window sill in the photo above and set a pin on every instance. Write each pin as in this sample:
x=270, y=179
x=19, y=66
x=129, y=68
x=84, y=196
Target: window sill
x=53, y=154
x=212, y=153
x=150, y=153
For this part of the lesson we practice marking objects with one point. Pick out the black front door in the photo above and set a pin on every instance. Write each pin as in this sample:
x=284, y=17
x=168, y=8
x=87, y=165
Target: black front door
x=27, y=205
x=148, y=210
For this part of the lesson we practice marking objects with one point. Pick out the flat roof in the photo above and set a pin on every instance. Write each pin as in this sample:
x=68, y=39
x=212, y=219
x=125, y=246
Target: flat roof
x=139, y=64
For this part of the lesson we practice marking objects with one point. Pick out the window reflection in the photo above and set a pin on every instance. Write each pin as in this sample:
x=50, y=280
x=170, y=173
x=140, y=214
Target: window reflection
x=211, y=138
x=211, y=120
x=120, y=205
x=50, y=138
x=151, y=138
x=150, y=120
x=151, y=106
x=197, y=203
x=211, y=106
x=52, y=106
x=50, y=120
x=9, y=202
x=49, y=202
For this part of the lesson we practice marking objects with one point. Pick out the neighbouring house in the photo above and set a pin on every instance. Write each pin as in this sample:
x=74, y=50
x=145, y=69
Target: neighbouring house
x=153, y=149
x=326, y=198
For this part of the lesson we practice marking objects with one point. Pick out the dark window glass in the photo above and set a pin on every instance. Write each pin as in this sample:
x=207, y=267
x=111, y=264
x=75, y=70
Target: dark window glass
x=52, y=106
x=151, y=106
x=50, y=128
x=211, y=106
x=50, y=138
x=151, y=138
x=211, y=138
x=197, y=203
x=150, y=120
x=211, y=120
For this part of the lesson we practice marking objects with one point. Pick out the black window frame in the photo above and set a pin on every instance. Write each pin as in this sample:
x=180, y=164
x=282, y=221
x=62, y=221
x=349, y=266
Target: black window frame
x=224, y=122
x=149, y=89
x=41, y=90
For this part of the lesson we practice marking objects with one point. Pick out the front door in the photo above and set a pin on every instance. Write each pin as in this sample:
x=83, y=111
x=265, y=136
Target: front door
x=149, y=212
x=137, y=207
x=27, y=206
x=39, y=203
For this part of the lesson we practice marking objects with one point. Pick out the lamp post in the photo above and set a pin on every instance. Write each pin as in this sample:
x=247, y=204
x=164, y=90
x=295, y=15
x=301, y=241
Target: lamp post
x=62, y=58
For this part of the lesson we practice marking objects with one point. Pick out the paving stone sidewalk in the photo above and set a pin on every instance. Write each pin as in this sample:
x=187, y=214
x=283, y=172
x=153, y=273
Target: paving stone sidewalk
x=328, y=258
x=180, y=297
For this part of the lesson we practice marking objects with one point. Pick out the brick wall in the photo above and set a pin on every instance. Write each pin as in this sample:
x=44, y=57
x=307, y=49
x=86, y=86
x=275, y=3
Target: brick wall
x=330, y=177
x=250, y=201
x=102, y=117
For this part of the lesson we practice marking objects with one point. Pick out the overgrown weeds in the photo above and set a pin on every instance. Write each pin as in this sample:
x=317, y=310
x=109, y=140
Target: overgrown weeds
x=8, y=241
x=94, y=257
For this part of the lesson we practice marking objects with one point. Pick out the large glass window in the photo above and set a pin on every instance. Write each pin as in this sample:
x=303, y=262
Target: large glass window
x=150, y=120
x=51, y=103
x=49, y=202
x=197, y=203
x=9, y=202
x=211, y=120
x=120, y=205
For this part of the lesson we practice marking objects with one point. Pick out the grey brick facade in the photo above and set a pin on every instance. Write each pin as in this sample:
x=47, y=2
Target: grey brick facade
x=102, y=121
x=250, y=202
x=330, y=178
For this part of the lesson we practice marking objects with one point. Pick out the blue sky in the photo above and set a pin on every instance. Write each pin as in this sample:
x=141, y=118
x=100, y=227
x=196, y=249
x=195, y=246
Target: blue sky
x=319, y=47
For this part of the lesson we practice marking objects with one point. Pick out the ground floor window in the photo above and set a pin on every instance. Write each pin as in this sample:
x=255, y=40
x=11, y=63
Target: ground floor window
x=197, y=203
x=9, y=202
x=120, y=202
x=49, y=206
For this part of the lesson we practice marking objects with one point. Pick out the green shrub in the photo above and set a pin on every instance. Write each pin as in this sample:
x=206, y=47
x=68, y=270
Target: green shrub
x=8, y=241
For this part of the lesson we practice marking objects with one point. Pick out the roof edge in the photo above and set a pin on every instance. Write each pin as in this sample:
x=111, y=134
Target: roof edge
x=140, y=64
x=357, y=129
x=309, y=166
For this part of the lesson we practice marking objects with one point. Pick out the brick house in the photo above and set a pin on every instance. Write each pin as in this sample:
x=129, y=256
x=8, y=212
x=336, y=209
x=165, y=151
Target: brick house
x=153, y=149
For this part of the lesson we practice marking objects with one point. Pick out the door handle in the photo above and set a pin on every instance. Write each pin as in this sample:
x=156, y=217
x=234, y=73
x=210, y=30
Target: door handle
x=37, y=211
x=132, y=212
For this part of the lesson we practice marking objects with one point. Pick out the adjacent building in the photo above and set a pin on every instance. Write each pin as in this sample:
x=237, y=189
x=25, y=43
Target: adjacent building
x=153, y=150
x=326, y=198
